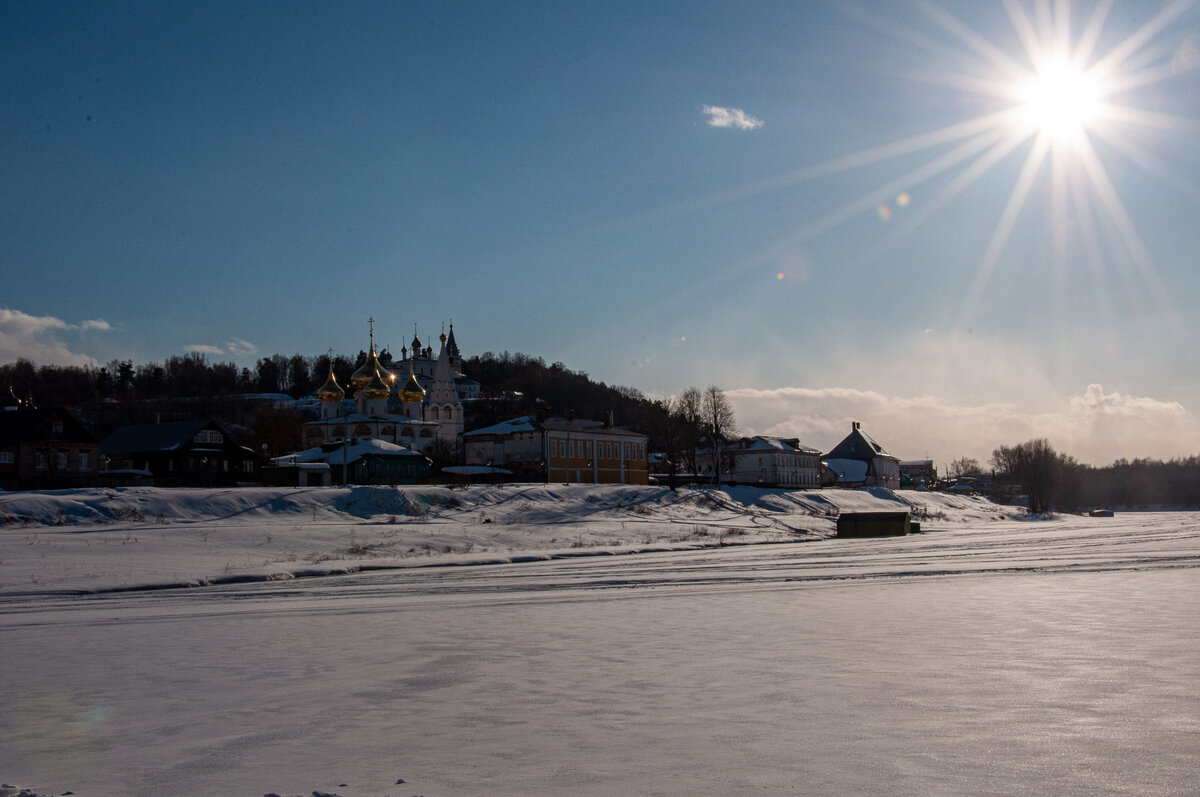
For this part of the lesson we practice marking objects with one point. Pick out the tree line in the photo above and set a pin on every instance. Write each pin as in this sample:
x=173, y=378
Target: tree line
x=184, y=375
x=191, y=386
x=1051, y=480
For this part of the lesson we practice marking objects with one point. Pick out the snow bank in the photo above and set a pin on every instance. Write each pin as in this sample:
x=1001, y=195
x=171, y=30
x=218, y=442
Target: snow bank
x=145, y=537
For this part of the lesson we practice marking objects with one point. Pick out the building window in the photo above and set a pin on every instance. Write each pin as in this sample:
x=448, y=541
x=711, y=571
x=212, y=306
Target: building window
x=60, y=460
x=209, y=436
x=56, y=426
x=39, y=461
x=7, y=458
x=83, y=460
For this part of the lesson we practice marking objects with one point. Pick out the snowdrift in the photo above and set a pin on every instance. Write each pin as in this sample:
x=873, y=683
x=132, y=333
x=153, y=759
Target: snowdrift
x=145, y=537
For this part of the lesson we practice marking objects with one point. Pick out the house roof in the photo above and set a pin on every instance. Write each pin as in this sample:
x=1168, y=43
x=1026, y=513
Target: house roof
x=858, y=445
x=767, y=443
x=527, y=424
x=351, y=452
x=511, y=426
x=144, y=437
x=17, y=426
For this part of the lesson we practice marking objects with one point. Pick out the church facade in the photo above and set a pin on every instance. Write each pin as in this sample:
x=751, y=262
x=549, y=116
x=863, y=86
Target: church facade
x=425, y=413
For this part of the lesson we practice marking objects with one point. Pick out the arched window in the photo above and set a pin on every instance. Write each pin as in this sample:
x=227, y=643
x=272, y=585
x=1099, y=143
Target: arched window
x=362, y=430
x=433, y=413
x=426, y=433
x=406, y=431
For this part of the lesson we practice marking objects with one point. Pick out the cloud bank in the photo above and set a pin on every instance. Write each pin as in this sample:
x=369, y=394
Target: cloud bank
x=1095, y=427
x=730, y=117
x=41, y=339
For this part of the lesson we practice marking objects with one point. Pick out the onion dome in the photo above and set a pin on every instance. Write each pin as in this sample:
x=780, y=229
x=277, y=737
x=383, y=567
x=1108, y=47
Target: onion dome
x=416, y=344
x=331, y=390
x=377, y=388
x=412, y=391
x=368, y=371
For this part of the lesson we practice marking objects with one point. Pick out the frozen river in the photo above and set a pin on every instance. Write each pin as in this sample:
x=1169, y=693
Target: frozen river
x=1007, y=659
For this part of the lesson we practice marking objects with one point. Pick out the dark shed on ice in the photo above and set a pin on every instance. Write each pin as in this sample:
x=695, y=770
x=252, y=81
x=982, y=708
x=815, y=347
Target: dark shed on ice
x=873, y=524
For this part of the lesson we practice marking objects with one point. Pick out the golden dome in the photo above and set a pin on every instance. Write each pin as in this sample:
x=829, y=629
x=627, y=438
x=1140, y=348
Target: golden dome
x=412, y=391
x=331, y=390
x=369, y=370
x=377, y=388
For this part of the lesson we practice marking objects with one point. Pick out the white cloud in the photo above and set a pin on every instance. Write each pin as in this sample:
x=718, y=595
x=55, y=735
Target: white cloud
x=203, y=348
x=241, y=348
x=730, y=117
x=1095, y=427
x=234, y=348
x=40, y=338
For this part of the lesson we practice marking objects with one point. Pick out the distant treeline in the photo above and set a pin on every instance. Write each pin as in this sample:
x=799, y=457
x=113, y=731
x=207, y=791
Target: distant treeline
x=1050, y=480
x=181, y=376
x=190, y=385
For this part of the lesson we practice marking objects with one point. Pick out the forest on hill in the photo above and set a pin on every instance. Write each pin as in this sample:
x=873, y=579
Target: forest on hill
x=191, y=386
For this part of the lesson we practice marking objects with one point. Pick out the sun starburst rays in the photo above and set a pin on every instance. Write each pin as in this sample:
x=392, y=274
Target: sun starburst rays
x=1062, y=95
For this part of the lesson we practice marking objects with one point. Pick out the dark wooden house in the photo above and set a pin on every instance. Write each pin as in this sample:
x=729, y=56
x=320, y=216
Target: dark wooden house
x=182, y=454
x=45, y=449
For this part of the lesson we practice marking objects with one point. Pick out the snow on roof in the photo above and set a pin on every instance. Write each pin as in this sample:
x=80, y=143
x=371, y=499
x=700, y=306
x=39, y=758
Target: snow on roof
x=350, y=452
x=522, y=424
x=848, y=471
x=769, y=443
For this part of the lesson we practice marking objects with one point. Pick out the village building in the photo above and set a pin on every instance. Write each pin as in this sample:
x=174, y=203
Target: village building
x=179, y=454
x=567, y=450
x=364, y=461
x=44, y=449
x=859, y=461
x=918, y=473
x=773, y=462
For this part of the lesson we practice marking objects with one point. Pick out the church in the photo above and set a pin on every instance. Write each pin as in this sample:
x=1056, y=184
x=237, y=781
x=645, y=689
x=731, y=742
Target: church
x=425, y=413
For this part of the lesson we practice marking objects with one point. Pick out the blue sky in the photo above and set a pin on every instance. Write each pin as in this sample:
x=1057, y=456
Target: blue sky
x=660, y=195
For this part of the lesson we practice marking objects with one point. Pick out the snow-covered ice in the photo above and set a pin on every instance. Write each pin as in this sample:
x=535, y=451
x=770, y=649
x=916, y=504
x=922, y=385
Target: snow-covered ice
x=990, y=655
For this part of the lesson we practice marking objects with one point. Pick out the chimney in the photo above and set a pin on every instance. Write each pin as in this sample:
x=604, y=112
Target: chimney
x=854, y=426
x=611, y=421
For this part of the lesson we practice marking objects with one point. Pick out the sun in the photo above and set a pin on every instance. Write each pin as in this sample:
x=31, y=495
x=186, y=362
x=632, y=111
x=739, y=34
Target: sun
x=1060, y=100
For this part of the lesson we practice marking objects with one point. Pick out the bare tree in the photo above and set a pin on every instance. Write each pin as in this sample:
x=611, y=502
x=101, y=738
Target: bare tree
x=963, y=466
x=688, y=407
x=666, y=430
x=719, y=424
x=1034, y=465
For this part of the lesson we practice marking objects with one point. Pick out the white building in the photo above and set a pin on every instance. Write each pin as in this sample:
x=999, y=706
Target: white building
x=773, y=462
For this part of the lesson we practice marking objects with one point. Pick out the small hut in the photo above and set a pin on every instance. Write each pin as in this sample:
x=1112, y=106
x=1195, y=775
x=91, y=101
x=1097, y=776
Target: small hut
x=873, y=524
